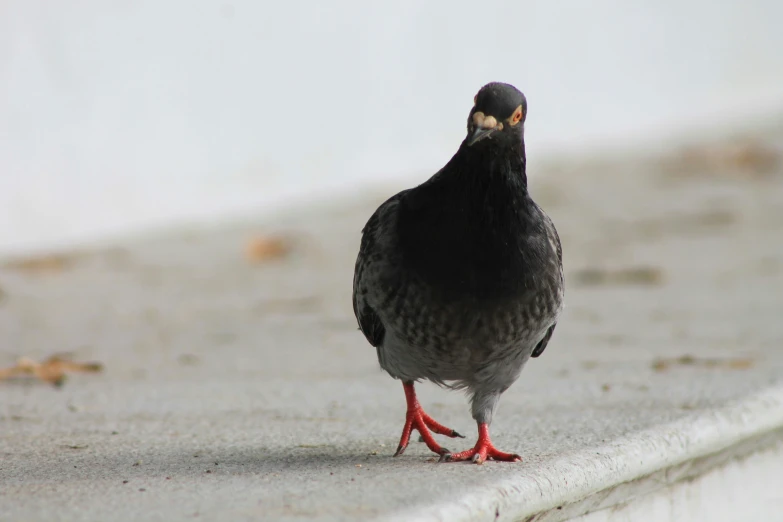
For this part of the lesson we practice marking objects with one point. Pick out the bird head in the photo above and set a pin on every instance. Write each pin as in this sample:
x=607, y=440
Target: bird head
x=498, y=112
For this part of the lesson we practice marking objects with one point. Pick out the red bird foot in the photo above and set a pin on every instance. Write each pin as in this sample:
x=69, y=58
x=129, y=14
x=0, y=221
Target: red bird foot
x=418, y=419
x=483, y=450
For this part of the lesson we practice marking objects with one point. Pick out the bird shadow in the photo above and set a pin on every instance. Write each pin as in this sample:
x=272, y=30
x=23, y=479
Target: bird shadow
x=74, y=463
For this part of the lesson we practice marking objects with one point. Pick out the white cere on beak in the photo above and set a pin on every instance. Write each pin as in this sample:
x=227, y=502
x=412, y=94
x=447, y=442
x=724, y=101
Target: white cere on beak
x=489, y=123
x=484, y=122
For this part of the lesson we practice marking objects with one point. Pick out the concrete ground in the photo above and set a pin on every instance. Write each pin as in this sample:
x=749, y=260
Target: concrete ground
x=239, y=390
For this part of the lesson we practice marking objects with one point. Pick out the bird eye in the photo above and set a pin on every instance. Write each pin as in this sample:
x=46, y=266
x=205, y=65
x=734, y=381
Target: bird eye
x=517, y=116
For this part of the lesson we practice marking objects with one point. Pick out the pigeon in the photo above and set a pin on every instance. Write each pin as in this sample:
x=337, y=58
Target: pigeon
x=459, y=280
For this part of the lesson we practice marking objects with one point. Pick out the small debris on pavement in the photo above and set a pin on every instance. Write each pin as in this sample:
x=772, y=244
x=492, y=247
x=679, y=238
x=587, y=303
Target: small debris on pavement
x=266, y=248
x=47, y=263
x=743, y=156
x=662, y=365
x=188, y=359
x=640, y=276
x=52, y=370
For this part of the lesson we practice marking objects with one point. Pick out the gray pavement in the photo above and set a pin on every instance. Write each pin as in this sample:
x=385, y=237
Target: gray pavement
x=242, y=391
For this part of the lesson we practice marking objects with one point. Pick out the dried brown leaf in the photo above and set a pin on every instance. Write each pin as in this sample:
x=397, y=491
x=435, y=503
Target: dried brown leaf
x=52, y=370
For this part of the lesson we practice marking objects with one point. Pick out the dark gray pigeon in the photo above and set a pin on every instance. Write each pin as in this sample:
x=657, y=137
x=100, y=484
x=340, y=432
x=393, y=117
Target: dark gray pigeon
x=459, y=281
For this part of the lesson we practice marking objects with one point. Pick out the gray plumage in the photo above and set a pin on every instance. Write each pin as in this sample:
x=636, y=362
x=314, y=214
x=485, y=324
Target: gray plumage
x=459, y=281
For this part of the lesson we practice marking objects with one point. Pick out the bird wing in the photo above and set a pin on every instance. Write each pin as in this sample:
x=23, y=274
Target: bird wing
x=370, y=325
x=541, y=346
x=370, y=251
x=555, y=238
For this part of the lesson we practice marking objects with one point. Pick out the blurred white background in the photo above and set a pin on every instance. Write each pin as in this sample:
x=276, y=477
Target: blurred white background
x=121, y=115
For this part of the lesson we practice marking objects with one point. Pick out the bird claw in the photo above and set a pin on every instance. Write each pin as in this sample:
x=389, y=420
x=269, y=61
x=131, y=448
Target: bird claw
x=483, y=450
x=417, y=419
x=422, y=422
x=481, y=455
x=454, y=434
x=401, y=450
x=447, y=457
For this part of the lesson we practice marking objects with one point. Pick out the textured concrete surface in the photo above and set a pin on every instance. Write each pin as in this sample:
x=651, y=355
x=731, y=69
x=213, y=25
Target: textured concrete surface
x=237, y=391
x=755, y=483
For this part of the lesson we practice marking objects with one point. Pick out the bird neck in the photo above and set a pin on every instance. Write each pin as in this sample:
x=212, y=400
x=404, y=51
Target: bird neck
x=499, y=165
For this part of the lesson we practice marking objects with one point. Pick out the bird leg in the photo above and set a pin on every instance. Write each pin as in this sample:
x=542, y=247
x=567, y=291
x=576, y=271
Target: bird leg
x=418, y=419
x=483, y=450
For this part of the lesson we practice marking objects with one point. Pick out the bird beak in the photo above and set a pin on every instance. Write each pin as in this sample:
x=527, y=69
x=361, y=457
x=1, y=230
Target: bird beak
x=479, y=134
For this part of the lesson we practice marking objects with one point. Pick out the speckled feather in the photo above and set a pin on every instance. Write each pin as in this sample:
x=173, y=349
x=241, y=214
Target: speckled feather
x=459, y=280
